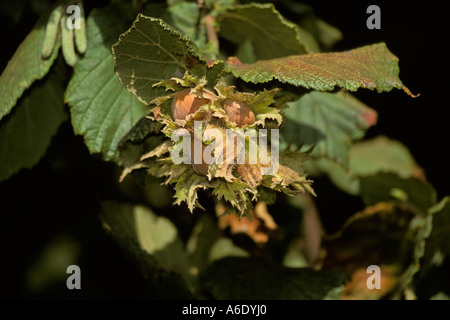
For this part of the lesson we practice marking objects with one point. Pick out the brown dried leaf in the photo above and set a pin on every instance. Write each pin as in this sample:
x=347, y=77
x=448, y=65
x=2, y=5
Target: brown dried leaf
x=257, y=228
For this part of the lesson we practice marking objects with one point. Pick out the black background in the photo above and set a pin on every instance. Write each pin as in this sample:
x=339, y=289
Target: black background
x=414, y=32
x=60, y=196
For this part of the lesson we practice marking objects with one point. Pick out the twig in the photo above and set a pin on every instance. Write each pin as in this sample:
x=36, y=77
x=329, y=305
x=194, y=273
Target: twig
x=210, y=30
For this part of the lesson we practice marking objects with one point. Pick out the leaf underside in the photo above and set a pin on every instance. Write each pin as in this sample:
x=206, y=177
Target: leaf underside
x=328, y=121
x=26, y=66
x=102, y=110
x=27, y=132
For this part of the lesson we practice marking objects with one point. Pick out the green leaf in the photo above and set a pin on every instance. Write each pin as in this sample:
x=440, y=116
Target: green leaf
x=341, y=177
x=438, y=242
x=377, y=188
x=371, y=67
x=49, y=268
x=245, y=52
x=143, y=136
x=144, y=128
x=152, y=51
x=26, y=133
x=328, y=121
x=219, y=5
x=187, y=183
x=26, y=66
x=154, y=244
x=368, y=157
x=440, y=296
x=203, y=236
x=264, y=28
x=234, y=192
x=224, y=247
x=184, y=17
x=102, y=110
x=440, y=236
x=382, y=154
x=289, y=180
x=326, y=34
x=421, y=227
x=310, y=43
x=237, y=278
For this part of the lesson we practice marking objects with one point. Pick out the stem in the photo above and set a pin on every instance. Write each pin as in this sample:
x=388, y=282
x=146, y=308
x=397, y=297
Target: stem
x=312, y=230
x=209, y=22
x=210, y=30
x=202, y=13
x=201, y=4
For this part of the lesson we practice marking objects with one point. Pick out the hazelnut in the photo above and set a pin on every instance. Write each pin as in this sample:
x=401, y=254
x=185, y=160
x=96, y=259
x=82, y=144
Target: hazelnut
x=201, y=168
x=238, y=112
x=185, y=103
x=252, y=173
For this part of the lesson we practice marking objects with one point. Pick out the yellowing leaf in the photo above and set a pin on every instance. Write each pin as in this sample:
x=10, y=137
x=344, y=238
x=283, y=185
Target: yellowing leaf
x=387, y=236
x=371, y=67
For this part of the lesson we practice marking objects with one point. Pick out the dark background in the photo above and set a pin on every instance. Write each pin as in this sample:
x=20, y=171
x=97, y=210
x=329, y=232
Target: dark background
x=413, y=32
x=60, y=196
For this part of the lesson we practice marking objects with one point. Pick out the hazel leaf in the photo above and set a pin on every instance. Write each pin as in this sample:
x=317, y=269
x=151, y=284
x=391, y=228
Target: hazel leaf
x=25, y=66
x=27, y=132
x=368, y=157
x=377, y=188
x=154, y=244
x=438, y=242
x=101, y=109
x=152, y=51
x=371, y=67
x=237, y=278
x=327, y=121
x=263, y=28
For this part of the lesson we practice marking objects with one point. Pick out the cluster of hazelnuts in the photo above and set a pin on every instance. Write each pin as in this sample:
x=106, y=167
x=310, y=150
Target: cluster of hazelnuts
x=185, y=103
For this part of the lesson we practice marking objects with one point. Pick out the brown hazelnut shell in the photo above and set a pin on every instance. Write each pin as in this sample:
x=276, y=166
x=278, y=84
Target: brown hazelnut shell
x=185, y=103
x=238, y=112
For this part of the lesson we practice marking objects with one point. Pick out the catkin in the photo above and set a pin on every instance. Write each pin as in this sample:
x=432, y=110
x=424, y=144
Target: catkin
x=80, y=34
x=67, y=42
x=51, y=32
